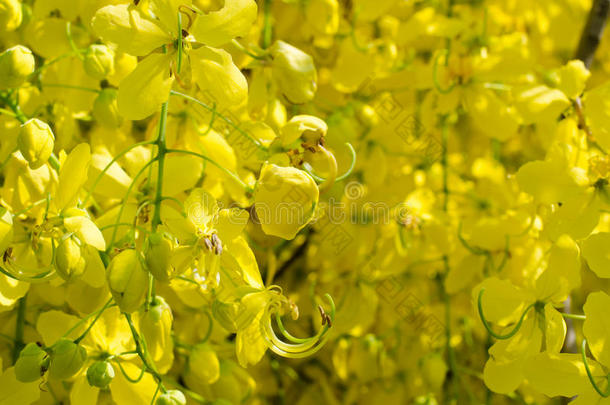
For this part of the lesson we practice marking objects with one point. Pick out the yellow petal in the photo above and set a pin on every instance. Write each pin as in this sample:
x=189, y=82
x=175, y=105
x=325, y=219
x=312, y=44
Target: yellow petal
x=230, y=223
x=219, y=27
x=596, y=253
x=216, y=74
x=555, y=329
x=503, y=378
x=14, y=392
x=201, y=208
x=242, y=260
x=125, y=392
x=82, y=392
x=86, y=231
x=558, y=374
x=129, y=29
x=143, y=91
x=73, y=175
x=53, y=324
x=596, y=327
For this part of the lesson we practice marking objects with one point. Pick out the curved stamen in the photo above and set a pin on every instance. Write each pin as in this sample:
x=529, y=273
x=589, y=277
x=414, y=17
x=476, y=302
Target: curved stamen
x=349, y=171
x=583, y=349
x=304, y=346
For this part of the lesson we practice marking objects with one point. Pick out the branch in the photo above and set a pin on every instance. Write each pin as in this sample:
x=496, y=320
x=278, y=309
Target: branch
x=593, y=31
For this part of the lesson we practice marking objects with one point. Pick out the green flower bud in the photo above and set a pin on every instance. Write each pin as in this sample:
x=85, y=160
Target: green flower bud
x=105, y=109
x=31, y=363
x=100, y=373
x=16, y=64
x=99, y=61
x=171, y=397
x=69, y=261
x=67, y=358
x=127, y=280
x=158, y=257
x=294, y=72
x=35, y=142
x=10, y=15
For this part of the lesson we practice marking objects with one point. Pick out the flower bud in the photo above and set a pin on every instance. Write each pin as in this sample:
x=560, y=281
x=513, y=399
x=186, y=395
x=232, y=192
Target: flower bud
x=307, y=127
x=171, y=397
x=156, y=328
x=285, y=200
x=203, y=364
x=158, y=257
x=127, y=280
x=31, y=363
x=11, y=15
x=100, y=373
x=69, y=261
x=99, y=61
x=105, y=109
x=434, y=371
x=67, y=358
x=16, y=64
x=35, y=142
x=294, y=72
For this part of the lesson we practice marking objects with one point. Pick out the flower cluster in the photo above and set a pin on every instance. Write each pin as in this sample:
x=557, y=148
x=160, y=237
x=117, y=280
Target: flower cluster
x=191, y=193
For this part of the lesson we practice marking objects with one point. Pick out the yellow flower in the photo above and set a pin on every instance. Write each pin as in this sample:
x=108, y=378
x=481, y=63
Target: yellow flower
x=140, y=30
x=285, y=200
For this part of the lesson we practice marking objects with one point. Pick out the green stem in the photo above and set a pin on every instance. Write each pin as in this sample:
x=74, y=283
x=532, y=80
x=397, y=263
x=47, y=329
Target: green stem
x=20, y=323
x=267, y=29
x=83, y=320
x=143, y=353
x=161, y=152
x=225, y=119
x=71, y=87
x=97, y=316
x=574, y=316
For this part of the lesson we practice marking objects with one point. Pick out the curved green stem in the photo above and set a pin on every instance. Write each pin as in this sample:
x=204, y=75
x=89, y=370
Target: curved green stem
x=344, y=175
x=510, y=334
x=75, y=49
x=583, y=349
x=225, y=119
x=107, y=167
x=143, y=352
x=95, y=313
x=207, y=159
x=125, y=199
x=127, y=377
x=99, y=314
x=210, y=327
x=437, y=84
